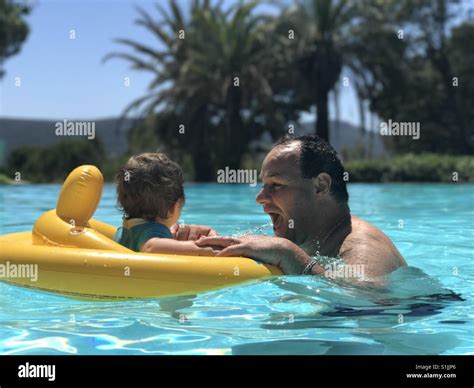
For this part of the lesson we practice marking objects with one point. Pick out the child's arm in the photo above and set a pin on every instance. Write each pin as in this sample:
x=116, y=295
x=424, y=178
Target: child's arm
x=187, y=232
x=168, y=245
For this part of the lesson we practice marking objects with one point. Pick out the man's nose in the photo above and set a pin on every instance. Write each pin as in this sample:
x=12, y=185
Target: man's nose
x=262, y=197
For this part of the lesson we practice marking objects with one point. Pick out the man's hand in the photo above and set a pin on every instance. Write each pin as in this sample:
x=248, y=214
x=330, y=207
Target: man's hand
x=271, y=250
x=265, y=249
x=191, y=232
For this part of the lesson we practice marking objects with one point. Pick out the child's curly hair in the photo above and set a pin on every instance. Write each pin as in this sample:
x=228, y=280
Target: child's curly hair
x=148, y=185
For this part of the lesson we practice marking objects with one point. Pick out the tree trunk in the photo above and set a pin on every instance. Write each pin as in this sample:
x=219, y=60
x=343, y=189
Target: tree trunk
x=204, y=169
x=371, y=134
x=237, y=139
x=456, y=117
x=337, y=111
x=322, y=121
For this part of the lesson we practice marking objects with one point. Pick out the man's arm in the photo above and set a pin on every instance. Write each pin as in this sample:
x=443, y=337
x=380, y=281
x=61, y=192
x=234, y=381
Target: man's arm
x=377, y=260
x=369, y=247
x=290, y=258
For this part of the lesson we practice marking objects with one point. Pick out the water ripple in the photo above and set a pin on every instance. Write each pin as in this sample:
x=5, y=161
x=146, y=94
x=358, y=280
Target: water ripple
x=427, y=308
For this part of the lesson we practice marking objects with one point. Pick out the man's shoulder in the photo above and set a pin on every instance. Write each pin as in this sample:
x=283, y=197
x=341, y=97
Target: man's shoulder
x=369, y=246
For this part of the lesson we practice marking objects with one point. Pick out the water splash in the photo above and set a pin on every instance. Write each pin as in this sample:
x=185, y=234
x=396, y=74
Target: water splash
x=257, y=230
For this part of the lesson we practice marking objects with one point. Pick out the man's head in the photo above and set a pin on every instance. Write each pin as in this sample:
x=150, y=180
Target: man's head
x=150, y=185
x=302, y=179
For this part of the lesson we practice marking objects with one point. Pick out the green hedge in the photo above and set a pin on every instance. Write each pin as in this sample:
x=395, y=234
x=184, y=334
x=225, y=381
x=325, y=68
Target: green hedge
x=53, y=163
x=4, y=180
x=412, y=168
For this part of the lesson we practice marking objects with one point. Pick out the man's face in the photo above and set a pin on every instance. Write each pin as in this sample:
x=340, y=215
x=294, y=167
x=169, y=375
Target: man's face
x=285, y=195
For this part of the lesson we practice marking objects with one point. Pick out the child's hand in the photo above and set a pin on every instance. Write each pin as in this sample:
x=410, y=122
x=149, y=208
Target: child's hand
x=185, y=232
x=206, y=251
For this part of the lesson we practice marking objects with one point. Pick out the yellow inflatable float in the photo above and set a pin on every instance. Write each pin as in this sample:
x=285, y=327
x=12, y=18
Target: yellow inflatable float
x=70, y=253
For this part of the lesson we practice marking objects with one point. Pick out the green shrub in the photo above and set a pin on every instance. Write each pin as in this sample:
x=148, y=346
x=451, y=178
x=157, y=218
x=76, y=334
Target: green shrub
x=5, y=180
x=53, y=163
x=412, y=168
x=110, y=167
x=367, y=170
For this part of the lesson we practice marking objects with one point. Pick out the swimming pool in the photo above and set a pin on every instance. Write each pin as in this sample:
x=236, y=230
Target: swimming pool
x=427, y=309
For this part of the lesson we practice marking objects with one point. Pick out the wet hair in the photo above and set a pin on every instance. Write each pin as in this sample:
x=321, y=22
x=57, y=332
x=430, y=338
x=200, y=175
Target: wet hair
x=317, y=156
x=148, y=185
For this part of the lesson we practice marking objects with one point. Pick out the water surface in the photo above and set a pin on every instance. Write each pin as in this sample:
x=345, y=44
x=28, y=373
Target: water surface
x=426, y=309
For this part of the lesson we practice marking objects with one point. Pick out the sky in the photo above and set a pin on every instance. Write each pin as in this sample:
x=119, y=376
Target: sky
x=63, y=78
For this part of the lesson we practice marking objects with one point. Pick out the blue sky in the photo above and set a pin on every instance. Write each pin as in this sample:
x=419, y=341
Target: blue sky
x=63, y=78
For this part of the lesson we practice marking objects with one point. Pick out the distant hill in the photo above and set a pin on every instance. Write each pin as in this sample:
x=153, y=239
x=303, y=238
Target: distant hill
x=19, y=132
x=346, y=136
x=347, y=139
x=113, y=134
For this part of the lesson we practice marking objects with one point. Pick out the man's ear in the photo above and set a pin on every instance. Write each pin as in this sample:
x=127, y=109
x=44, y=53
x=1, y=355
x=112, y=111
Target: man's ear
x=322, y=183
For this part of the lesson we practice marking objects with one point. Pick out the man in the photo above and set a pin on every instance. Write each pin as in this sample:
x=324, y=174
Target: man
x=305, y=195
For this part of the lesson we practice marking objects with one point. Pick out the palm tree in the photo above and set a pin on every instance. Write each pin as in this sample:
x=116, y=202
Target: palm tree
x=169, y=101
x=228, y=50
x=212, y=81
x=165, y=64
x=371, y=55
x=321, y=27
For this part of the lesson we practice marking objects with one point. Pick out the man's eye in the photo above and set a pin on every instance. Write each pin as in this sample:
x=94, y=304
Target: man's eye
x=272, y=186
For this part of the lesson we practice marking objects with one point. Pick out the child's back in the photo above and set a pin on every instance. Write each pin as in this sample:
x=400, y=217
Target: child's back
x=151, y=195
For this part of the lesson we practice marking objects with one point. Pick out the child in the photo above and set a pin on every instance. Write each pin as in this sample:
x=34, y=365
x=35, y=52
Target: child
x=151, y=195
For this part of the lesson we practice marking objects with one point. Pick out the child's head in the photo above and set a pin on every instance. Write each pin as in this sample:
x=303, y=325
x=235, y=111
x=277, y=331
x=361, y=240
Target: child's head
x=150, y=186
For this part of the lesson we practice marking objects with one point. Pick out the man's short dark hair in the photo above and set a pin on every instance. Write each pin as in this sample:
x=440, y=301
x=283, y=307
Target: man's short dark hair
x=317, y=156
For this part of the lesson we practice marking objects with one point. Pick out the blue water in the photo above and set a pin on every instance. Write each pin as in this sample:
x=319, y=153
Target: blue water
x=427, y=308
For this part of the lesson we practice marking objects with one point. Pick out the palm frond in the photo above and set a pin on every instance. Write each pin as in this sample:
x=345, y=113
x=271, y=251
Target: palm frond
x=136, y=62
x=157, y=55
x=147, y=22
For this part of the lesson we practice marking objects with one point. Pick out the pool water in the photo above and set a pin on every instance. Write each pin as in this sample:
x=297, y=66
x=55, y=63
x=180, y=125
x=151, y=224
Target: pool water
x=426, y=309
